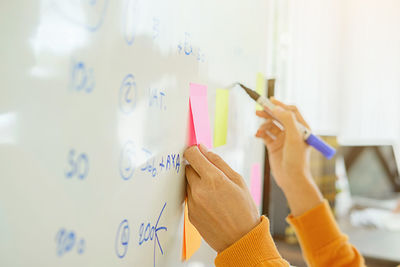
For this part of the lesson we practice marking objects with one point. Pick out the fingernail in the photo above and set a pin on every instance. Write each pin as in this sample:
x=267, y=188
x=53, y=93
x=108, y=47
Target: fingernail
x=203, y=148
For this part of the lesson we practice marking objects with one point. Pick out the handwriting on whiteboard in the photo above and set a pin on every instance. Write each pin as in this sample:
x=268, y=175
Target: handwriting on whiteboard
x=88, y=14
x=157, y=98
x=82, y=77
x=130, y=20
x=164, y=163
x=150, y=233
x=154, y=165
x=185, y=47
x=156, y=28
x=67, y=241
x=78, y=165
x=127, y=94
x=127, y=161
x=122, y=239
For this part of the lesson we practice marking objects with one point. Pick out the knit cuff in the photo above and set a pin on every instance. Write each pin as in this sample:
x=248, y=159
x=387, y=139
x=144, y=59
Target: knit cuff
x=254, y=248
x=316, y=228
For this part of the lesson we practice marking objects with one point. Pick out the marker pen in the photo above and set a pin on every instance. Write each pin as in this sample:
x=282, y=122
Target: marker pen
x=309, y=137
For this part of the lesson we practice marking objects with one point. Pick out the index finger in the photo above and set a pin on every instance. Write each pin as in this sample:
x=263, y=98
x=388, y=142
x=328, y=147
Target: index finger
x=264, y=114
x=198, y=161
x=292, y=108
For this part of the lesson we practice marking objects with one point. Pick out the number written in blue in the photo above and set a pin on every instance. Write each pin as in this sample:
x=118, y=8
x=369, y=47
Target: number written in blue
x=127, y=160
x=122, y=239
x=78, y=165
x=67, y=241
x=82, y=77
x=127, y=94
x=149, y=232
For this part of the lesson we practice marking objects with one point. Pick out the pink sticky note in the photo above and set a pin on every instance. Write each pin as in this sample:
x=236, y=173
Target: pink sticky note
x=255, y=183
x=192, y=134
x=199, y=132
x=199, y=127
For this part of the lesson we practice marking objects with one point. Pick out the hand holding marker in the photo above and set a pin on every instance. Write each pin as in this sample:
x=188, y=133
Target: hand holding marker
x=309, y=137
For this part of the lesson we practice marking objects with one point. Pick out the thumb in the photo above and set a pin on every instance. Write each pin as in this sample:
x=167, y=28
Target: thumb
x=288, y=120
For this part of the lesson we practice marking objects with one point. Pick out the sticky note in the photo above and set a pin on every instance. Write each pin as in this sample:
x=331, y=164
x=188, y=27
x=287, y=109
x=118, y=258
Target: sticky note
x=256, y=183
x=199, y=133
x=260, y=88
x=191, y=237
x=192, y=134
x=221, y=117
x=198, y=107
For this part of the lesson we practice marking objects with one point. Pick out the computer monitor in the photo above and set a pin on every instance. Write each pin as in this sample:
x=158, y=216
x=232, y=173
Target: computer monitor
x=372, y=171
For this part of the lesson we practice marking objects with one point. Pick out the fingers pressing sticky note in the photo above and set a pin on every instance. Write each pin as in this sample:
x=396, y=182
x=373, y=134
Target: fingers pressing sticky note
x=221, y=117
x=260, y=88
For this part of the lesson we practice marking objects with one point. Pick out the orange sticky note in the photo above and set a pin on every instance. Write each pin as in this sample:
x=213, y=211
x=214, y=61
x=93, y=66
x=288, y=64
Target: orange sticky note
x=191, y=237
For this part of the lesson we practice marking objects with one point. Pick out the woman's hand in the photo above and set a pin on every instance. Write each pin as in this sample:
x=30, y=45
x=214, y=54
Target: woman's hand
x=219, y=203
x=289, y=156
x=288, y=153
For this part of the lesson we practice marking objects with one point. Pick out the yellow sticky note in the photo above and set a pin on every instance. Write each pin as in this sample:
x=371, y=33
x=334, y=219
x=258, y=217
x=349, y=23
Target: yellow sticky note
x=260, y=88
x=191, y=237
x=221, y=117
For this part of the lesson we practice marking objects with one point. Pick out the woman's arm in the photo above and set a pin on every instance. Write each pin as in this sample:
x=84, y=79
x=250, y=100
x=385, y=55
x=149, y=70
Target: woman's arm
x=222, y=209
x=322, y=242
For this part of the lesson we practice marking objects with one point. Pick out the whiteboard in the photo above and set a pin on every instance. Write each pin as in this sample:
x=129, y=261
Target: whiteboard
x=93, y=122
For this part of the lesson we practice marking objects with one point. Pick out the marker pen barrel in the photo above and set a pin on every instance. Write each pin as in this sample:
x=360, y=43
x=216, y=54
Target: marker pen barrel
x=310, y=138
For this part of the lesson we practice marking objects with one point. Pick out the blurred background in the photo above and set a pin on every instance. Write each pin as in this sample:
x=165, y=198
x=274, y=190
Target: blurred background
x=339, y=62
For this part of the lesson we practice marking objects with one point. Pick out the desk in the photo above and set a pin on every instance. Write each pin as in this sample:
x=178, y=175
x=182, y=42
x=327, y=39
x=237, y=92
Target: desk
x=373, y=243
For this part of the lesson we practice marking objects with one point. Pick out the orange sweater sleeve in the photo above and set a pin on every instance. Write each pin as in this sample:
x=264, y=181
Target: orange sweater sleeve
x=321, y=240
x=255, y=249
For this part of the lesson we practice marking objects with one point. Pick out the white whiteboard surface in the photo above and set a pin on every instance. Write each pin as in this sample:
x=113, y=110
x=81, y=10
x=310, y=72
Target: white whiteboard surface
x=92, y=93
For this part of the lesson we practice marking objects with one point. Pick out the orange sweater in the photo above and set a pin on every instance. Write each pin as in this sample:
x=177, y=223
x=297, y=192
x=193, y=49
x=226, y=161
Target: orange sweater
x=320, y=238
